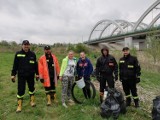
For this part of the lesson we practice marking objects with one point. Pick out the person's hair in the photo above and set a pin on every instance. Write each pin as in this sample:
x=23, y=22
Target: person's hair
x=71, y=51
x=82, y=52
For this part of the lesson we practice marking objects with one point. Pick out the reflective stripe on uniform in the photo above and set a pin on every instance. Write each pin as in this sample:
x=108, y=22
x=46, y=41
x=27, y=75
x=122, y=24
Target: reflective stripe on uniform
x=136, y=97
x=31, y=92
x=47, y=92
x=130, y=66
x=127, y=96
x=21, y=55
x=121, y=61
x=52, y=90
x=31, y=61
x=18, y=96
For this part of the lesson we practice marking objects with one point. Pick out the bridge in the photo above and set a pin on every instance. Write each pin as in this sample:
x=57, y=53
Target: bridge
x=124, y=33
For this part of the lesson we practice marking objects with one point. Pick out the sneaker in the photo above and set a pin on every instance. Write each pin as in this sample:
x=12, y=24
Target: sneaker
x=64, y=104
x=70, y=101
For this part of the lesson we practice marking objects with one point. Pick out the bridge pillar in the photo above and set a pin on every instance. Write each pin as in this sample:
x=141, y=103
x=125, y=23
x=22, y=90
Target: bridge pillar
x=128, y=42
x=139, y=44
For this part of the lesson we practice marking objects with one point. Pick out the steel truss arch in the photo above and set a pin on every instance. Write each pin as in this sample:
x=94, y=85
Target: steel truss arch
x=145, y=14
x=154, y=20
x=109, y=23
x=123, y=21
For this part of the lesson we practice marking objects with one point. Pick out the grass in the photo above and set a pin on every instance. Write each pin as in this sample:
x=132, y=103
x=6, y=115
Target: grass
x=87, y=111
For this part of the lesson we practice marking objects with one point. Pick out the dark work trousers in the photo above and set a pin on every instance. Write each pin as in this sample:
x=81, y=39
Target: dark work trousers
x=106, y=78
x=22, y=85
x=52, y=88
x=86, y=89
x=129, y=86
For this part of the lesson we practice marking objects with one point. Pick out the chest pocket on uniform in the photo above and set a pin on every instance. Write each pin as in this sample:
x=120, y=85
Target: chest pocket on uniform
x=111, y=63
x=130, y=66
x=31, y=62
x=121, y=61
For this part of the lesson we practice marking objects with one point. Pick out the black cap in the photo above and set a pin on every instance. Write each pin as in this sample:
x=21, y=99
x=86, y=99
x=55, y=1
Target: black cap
x=47, y=47
x=125, y=48
x=25, y=42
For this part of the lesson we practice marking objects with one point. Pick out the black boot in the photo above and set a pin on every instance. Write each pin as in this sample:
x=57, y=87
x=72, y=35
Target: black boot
x=89, y=93
x=52, y=95
x=101, y=98
x=128, y=101
x=85, y=92
x=136, y=102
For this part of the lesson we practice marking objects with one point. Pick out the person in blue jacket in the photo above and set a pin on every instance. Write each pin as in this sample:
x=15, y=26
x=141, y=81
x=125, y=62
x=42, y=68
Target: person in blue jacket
x=84, y=69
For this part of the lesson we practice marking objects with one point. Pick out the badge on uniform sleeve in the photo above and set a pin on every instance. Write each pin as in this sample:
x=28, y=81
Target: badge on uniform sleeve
x=130, y=66
x=111, y=64
x=121, y=61
x=31, y=61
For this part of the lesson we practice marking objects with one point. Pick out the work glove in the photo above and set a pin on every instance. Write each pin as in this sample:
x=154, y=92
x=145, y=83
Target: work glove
x=116, y=78
x=76, y=78
x=37, y=77
x=42, y=80
x=13, y=78
x=58, y=77
x=138, y=79
x=120, y=78
x=98, y=78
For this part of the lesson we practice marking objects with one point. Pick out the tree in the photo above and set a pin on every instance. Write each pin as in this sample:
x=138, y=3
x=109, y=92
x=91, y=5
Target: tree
x=80, y=47
x=4, y=43
x=153, y=46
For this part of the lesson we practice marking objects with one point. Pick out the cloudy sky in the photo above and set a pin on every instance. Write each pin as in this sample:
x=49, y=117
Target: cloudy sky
x=51, y=21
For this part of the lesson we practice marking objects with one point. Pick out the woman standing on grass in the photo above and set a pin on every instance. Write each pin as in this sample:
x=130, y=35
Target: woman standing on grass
x=85, y=69
x=67, y=73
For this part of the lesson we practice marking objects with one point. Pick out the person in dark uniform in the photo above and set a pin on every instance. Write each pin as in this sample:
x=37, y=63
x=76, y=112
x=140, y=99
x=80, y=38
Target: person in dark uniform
x=129, y=74
x=106, y=66
x=48, y=73
x=25, y=65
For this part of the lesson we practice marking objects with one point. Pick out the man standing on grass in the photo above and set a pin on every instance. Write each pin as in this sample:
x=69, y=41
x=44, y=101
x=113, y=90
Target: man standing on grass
x=25, y=65
x=48, y=73
x=105, y=67
x=67, y=74
x=84, y=69
x=129, y=74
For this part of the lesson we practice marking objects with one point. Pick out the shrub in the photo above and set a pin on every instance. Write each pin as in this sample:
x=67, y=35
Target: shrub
x=81, y=47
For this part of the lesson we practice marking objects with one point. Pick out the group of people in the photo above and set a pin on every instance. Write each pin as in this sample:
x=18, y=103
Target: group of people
x=48, y=71
x=129, y=74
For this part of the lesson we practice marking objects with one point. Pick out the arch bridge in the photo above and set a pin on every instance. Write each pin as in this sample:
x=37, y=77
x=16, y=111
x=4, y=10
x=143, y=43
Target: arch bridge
x=113, y=31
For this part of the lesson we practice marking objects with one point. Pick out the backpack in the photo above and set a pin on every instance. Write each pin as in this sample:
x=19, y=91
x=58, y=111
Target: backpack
x=156, y=108
x=113, y=105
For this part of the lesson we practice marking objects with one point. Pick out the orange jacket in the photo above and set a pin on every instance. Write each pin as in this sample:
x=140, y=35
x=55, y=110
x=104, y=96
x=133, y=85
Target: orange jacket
x=44, y=72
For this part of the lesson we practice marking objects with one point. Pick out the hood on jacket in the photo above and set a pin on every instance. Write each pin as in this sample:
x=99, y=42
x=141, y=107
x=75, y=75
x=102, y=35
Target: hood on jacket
x=105, y=48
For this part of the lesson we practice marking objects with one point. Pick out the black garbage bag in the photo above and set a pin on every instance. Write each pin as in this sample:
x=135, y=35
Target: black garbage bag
x=156, y=108
x=113, y=105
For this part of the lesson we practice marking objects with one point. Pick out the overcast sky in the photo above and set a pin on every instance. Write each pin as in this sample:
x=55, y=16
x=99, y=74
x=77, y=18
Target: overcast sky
x=51, y=21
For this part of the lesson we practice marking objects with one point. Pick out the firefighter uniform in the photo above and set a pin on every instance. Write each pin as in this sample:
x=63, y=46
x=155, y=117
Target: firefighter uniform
x=129, y=73
x=25, y=66
x=106, y=66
